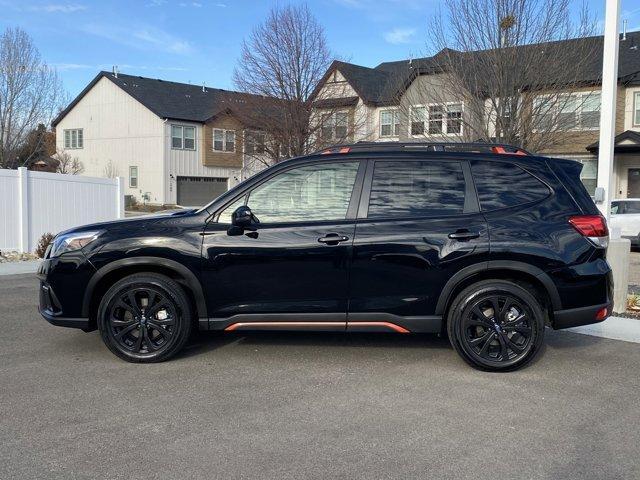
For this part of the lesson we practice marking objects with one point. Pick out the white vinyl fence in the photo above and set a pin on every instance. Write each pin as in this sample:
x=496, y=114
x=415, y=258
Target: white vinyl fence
x=34, y=203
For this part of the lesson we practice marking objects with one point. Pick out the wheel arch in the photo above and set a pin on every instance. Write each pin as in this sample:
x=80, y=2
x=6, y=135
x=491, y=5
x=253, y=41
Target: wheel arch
x=499, y=269
x=114, y=271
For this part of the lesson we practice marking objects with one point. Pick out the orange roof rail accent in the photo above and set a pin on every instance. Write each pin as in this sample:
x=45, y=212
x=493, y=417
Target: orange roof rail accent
x=502, y=151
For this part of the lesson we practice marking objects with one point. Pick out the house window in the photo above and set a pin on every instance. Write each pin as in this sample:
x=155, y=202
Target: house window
x=224, y=140
x=133, y=177
x=254, y=143
x=74, y=138
x=389, y=123
x=636, y=109
x=568, y=111
x=437, y=119
x=183, y=137
x=334, y=126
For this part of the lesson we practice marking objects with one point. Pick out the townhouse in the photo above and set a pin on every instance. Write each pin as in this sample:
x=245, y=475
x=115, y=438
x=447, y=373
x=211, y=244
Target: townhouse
x=406, y=101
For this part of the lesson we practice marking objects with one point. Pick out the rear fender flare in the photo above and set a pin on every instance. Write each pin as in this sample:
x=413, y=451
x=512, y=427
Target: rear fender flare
x=467, y=272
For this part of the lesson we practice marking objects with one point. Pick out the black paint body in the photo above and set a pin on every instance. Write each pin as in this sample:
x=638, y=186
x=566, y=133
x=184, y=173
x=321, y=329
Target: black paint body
x=403, y=270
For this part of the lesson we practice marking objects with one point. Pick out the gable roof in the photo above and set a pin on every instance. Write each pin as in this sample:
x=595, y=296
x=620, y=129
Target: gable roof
x=381, y=85
x=626, y=141
x=173, y=100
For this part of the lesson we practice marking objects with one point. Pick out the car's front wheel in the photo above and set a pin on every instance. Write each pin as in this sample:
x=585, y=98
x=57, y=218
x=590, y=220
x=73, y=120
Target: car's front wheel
x=496, y=325
x=145, y=318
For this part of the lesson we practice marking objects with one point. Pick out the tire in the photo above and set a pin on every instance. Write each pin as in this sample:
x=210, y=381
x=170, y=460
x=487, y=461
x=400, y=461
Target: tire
x=145, y=318
x=509, y=342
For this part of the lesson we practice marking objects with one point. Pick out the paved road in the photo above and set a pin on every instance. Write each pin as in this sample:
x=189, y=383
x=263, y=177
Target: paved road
x=292, y=406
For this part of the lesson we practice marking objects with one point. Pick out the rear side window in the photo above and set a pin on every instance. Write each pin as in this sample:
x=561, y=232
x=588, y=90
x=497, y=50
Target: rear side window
x=502, y=185
x=414, y=188
x=631, y=207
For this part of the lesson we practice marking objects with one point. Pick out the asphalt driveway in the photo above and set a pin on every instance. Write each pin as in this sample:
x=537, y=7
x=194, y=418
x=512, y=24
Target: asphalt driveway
x=309, y=406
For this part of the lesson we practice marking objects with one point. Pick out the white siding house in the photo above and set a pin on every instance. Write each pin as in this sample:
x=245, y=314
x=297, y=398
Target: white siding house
x=156, y=134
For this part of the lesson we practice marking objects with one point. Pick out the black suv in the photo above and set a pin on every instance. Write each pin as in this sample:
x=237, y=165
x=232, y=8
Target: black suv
x=484, y=242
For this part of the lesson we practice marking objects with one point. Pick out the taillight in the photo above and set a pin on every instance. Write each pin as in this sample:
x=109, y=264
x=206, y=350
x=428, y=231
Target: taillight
x=594, y=227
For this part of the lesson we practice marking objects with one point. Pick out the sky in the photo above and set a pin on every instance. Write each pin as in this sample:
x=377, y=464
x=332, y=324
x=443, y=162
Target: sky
x=198, y=41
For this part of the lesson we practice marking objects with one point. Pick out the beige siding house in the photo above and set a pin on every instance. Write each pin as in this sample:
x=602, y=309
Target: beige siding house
x=403, y=101
x=174, y=143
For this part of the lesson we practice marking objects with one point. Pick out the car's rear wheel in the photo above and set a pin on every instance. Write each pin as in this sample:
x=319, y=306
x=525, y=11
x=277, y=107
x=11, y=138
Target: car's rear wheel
x=145, y=318
x=496, y=325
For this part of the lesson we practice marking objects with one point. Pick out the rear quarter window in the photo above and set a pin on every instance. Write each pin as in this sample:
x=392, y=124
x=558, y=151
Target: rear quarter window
x=502, y=185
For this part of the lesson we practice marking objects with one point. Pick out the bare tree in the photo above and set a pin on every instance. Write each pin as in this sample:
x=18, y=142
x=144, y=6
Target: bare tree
x=282, y=62
x=31, y=93
x=68, y=164
x=110, y=170
x=512, y=64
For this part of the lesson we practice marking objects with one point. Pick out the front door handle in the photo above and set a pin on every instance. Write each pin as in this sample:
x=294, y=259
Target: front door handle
x=332, y=239
x=463, y=235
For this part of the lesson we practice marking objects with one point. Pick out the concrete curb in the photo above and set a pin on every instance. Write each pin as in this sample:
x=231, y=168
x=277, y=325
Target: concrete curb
x=17, y=268
x=616, y=328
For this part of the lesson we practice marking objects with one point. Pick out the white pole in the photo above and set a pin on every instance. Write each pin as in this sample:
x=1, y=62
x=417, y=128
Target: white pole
x=608, y=106
x=23, y=208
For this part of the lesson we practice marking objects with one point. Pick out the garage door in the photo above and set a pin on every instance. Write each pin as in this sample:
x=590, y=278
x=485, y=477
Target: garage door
x=198, y=191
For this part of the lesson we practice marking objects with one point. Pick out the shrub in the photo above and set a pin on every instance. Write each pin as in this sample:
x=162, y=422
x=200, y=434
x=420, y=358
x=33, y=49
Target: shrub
x=43, y=243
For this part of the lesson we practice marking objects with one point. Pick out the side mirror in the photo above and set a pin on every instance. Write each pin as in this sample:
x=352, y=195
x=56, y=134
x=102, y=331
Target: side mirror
x=242, y=217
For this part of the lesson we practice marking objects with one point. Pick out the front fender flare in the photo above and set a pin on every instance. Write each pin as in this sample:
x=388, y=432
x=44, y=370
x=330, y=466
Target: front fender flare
x=189, y=277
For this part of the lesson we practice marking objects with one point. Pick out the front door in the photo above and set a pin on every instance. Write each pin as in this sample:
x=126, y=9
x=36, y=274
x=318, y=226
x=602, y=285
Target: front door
x=291, y=268
x=421, y=225
x=633, y=183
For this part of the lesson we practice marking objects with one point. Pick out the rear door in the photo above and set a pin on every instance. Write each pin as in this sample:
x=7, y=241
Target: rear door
x=418, y=224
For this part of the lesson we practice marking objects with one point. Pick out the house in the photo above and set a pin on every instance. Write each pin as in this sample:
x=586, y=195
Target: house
x=404, y=101
x=174, y=143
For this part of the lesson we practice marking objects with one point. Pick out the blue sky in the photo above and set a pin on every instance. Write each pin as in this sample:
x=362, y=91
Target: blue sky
x=199, y=40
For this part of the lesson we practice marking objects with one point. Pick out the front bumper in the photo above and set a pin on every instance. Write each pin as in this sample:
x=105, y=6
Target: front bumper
x=634, y=239
x=51, y=310
x=62, y=283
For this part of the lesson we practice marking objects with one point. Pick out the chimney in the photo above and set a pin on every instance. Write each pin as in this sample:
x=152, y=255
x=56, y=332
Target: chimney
x=624, y=29
x=115, y=71
x=204, y=89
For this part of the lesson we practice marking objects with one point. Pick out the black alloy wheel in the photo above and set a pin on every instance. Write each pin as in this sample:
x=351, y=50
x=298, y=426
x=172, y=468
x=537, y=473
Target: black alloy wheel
x=145, y=318
x=496, y=325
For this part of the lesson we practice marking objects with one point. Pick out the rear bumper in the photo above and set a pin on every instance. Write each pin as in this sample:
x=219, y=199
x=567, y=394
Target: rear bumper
x=576, y=317
x=635, y=240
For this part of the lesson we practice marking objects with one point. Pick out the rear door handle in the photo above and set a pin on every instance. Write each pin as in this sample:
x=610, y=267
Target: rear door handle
x=332, y=239
x=463, y=235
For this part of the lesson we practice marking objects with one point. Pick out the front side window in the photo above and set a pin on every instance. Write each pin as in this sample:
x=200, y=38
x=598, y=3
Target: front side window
x=502, y=185
x=133, y=177
x=389, y=123
x=74, y=138
x=334, y=126
x=305, y=194
x=426, y=189
x=183, y=137
x=224, y=140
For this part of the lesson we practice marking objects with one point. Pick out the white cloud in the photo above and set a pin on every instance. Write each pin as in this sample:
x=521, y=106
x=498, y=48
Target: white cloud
x=140, y=37
x=58, y=8
x=400, y=35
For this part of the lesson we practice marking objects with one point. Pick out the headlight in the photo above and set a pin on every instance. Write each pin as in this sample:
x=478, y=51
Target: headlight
x=72, y=241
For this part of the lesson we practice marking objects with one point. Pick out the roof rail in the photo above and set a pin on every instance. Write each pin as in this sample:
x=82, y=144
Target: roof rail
x=468, y=147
